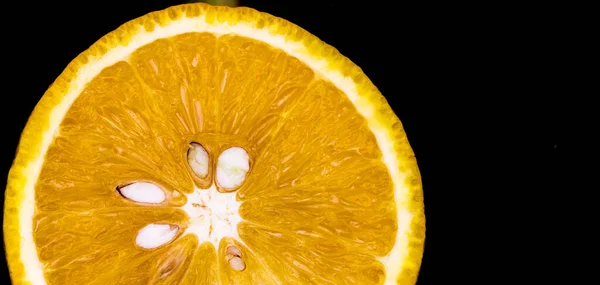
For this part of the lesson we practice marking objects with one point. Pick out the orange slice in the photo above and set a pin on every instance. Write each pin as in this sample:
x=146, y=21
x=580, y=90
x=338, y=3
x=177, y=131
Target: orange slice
x=213, y=145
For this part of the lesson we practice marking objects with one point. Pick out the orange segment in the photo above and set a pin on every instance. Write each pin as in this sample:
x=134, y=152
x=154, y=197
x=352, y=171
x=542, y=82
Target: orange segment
x=328, y=190
x=310, y=256
x=256, y=272
x=203, y=268
x=75, y=246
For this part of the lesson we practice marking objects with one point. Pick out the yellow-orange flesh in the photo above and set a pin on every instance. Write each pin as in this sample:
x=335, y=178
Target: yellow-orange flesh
x=317, y=205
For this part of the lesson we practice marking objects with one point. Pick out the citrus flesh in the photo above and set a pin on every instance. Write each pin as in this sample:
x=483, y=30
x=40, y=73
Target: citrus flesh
x=330, y=192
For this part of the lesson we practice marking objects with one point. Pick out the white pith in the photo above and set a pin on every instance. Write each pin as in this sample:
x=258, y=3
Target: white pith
x=213, y=215
x=393, y=261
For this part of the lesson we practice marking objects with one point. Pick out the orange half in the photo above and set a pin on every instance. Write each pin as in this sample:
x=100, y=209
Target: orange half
x=213, y=145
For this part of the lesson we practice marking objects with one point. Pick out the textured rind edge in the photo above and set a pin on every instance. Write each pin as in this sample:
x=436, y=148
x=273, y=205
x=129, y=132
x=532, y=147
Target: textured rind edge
x=37, y=124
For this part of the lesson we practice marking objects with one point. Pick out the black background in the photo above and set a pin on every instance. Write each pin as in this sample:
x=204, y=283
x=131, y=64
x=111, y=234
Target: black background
x=463, y=86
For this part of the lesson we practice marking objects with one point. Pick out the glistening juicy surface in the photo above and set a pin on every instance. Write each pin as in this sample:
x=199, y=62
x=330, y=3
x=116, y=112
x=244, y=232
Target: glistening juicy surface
x=317, y=203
